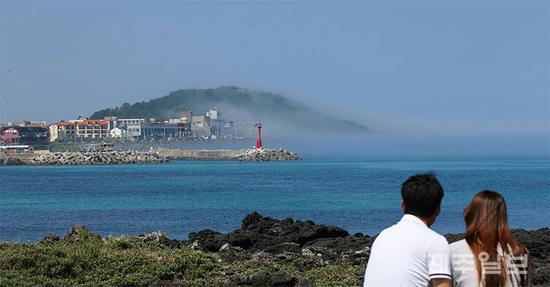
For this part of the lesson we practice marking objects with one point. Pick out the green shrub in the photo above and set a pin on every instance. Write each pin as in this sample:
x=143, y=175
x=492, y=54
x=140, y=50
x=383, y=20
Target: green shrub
x=91, y=262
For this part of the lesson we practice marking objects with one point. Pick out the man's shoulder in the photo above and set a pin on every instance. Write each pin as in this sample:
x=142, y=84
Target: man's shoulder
x=433, y=238
x=433, y=235
x=387, y=231
x=385, y=235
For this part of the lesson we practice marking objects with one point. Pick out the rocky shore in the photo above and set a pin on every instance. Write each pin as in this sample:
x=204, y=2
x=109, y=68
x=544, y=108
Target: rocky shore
x=85, y=158
x=263, y=252
x=272, y=240
x=10, y=160
x=268, y=155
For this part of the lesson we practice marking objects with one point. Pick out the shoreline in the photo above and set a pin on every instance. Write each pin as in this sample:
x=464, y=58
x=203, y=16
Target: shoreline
x=278, y=251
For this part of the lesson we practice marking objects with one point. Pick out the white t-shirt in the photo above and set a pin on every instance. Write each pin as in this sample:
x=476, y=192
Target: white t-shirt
x=408, y=253
x=465, y=270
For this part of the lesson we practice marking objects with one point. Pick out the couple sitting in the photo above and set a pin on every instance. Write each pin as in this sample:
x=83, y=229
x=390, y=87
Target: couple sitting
x=409, y=253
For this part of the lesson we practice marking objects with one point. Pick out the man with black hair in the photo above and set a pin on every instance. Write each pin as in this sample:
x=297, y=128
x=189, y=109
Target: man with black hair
x=409, y=253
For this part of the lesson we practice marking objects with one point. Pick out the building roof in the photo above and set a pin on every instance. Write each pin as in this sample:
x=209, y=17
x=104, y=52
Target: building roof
x=83, y=123
x=64, y=124
x=92, y=122
x=9, y=136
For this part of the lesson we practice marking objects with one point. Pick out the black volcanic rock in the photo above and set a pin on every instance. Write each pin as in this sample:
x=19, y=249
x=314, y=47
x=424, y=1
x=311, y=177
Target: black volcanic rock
x=259, y=233
x=265, y=239
x=161, y=238
x=267, y=279
x=48, y=238
x=208, y=240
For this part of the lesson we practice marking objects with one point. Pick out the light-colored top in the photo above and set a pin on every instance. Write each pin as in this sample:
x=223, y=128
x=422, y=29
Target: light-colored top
x=465, y=271
x=408, y=254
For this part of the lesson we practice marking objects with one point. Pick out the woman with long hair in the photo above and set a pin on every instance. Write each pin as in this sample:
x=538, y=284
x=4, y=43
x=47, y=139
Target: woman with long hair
x=488, y=256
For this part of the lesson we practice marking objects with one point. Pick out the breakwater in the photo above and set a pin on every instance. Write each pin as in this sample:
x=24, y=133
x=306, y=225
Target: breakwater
x=240, y=155
x=83, y=158
x=152, y=156
x=181, y=154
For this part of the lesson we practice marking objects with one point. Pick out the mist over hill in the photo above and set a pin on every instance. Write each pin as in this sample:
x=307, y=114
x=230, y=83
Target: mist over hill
x=236, y=104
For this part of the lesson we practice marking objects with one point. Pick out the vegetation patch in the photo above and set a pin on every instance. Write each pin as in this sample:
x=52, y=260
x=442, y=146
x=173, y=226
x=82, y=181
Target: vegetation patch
x=130, y=261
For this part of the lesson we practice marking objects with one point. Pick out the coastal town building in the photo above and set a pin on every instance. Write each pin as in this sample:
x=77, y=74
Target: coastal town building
x=201, y=131
x=9, y=136
x=92, y=129
x=80, y=130
x=163, y=131
x=131, y=127
x=227, y=130
x=24, y=135
x=25, y=123
x=199, y=120
x=188, y=126
x=125, y=122
x=186, y=117
x=174, y=121
x=200, y=128
x=213, y=114
x=54, y=134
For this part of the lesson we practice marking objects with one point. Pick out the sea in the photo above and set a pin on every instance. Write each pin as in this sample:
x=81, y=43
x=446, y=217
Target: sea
x=357, y=194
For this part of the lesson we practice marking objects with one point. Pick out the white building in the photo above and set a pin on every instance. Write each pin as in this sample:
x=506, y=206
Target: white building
x=131, y=127
x=174, y=121
x=53, y=132
x=116, y=133
x=125, y=122
x=213, y=114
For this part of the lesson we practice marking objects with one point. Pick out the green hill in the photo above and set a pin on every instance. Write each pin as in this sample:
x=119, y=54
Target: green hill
x=235, y=104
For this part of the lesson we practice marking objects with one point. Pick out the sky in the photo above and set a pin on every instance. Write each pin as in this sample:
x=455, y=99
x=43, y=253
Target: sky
x=469, y=74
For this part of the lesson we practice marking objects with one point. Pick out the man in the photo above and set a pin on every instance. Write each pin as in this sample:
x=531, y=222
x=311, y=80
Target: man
x=409, y=253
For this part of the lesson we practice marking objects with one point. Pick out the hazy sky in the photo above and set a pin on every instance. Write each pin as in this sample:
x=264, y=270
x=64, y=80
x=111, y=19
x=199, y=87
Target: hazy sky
x=459, y=68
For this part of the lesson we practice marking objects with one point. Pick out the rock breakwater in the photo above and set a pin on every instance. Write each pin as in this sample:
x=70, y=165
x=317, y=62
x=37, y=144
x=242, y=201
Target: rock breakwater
x=98, y=157
x=268, y=155
x=152, y=156
x=10, y=160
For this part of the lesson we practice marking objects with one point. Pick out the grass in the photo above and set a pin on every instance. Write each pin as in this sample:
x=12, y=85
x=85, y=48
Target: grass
x=132, y=262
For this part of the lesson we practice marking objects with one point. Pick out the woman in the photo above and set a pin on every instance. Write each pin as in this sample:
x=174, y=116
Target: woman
x=488, y=255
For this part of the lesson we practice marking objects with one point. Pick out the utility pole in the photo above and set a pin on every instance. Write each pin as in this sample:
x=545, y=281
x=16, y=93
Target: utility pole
x=5, y=103
x=5, y=100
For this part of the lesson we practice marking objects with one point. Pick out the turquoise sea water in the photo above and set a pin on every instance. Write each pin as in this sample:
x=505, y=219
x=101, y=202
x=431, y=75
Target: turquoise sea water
x=182, y=196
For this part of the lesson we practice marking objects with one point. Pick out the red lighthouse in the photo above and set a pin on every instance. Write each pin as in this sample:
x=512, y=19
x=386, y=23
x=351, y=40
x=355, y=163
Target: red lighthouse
x=259, y=140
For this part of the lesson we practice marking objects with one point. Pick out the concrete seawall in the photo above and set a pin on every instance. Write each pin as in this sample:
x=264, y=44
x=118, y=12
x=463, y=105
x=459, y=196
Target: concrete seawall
x=240, y=155
x=201, y=154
